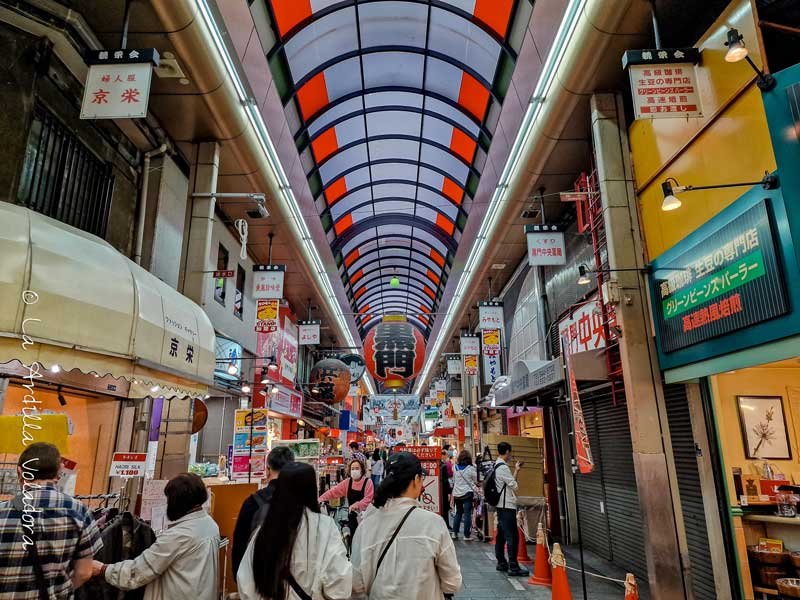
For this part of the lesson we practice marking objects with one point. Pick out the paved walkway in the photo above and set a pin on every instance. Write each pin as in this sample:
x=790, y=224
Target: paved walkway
x=482, y=582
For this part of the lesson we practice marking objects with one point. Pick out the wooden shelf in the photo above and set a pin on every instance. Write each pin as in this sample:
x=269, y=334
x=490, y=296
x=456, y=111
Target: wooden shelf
x=772, y=519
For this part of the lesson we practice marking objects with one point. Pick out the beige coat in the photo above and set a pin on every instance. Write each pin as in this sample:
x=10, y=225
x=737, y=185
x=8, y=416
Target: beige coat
x=183, y=563
x=420, y=564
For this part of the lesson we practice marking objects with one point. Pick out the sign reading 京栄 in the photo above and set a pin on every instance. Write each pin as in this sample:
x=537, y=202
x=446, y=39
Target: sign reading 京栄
x=128, y=464
x=118, y=83
x=308, y=333
x=268, y=281
x=267, y=320
x=663, y=82
x=490, y=315
x=545, y=245
x=726, y=282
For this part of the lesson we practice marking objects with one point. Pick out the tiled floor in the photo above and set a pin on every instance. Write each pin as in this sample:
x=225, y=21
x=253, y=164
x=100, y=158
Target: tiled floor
x=482, y=582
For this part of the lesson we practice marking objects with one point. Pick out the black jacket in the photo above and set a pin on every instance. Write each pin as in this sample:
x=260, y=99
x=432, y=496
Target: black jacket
x=244, y=523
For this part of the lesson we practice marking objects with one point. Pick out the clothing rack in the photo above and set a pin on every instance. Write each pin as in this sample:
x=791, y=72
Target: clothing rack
x=119, y=495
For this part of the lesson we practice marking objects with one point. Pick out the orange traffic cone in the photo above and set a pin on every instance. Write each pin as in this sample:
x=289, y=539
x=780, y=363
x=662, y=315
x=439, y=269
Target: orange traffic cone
x=631, y=587
x=541, y=571
x=522, y=548
x=561, y=589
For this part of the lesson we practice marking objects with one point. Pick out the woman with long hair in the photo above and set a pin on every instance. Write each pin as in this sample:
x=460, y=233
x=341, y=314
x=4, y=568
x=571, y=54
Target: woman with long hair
x=376, y=468
x=358, y=489
x=297, y=554
x=415, y=545
x=465, y=484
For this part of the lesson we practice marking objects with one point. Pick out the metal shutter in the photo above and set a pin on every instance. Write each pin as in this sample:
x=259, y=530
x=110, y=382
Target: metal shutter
x=691, y=495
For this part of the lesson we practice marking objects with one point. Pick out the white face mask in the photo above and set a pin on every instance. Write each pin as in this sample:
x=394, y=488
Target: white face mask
x=355, y=473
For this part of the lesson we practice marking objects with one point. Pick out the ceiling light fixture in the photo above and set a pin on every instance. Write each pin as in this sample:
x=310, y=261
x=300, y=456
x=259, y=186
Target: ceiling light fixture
x=737, y=51
x=583, y=273
x=55, y=368
x=670, y=187
x=499, y=199
x=232, y=369
x=246, y=389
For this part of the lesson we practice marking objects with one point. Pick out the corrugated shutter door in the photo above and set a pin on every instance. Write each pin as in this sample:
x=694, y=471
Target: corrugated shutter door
x=590, y=496
x=694, y=519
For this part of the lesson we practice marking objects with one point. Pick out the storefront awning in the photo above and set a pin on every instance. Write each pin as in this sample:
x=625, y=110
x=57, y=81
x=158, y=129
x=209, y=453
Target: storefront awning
x=69, y=298
x=530, y=376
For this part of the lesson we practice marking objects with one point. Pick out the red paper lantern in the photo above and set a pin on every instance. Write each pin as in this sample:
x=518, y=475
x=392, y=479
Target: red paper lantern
x=335, y=433
x=394, y=351
x=330, y=381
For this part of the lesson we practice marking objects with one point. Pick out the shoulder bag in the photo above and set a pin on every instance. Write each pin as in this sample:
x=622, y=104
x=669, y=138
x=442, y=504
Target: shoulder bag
x=389, y=543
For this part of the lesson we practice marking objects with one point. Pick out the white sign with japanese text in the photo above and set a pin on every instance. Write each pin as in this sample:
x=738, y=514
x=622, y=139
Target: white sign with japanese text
x=490, y=317
x=309, y=334
x=440, y=385
x=128, y=464
x=470, y=345
x=117, y=91
x=584, y=330
x=491, y=368
x=454, y=364
x=666, y=90
x=268, y=285
x=546, y=248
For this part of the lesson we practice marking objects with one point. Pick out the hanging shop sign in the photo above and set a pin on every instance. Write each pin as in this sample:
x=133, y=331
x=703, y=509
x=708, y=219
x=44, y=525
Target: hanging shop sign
x=490, y=339
x=453, y=364
x=490, y=315
x=331, y=380
x=525, y=381
x=583, y=330
x=545, y=245
x=118, y=83
x=727, y=281
x=583, y=450
x=223, y=274
x=268, y=281
x=286, y=403
x=663, y=82
x=470, y=344
x=267, y=313
x=470, y=364
x=394, y=351
x=128, y=464
x=395, y=408
x=356, y=364
x=308, y=332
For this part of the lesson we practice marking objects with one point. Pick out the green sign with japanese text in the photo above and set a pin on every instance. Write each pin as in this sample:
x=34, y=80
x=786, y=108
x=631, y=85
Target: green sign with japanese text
x=729, y=280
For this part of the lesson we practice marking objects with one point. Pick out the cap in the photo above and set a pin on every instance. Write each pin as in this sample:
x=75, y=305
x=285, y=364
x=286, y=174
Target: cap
x=406, y=464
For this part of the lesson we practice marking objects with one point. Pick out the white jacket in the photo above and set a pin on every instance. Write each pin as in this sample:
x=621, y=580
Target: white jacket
x=504, y=477
x=465, y=480
x=420, y=564
x=182, y=563
x=319, y=562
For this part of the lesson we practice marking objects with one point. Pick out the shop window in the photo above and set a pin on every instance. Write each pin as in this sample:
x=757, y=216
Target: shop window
x=62, y=178
x=219, y=283
x=238, y=301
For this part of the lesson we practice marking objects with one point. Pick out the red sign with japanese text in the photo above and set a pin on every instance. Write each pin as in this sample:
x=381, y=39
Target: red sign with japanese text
x=584, y=330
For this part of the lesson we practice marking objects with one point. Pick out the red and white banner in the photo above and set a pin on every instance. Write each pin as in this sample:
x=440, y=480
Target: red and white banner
x=583, y=450
x=583, y=330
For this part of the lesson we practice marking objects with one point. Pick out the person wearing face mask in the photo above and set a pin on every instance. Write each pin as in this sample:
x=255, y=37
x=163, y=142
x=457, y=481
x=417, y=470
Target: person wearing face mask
x=358, y=490
x=401, y=550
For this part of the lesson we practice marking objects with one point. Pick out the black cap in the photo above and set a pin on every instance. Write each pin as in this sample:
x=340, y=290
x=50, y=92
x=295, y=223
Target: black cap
x=404, y=464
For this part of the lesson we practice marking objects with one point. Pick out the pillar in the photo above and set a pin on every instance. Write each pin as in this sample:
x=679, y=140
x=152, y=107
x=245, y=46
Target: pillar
x=640, y=369
x=199, y=261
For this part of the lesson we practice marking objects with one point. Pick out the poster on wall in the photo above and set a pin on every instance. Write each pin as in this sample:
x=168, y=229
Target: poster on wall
x=288, y=351
x=490, y=315
x=268, y=281
x=764, y=431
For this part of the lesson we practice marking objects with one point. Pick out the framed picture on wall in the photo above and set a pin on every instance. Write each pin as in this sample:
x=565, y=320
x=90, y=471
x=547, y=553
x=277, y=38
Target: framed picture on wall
x=764, y=431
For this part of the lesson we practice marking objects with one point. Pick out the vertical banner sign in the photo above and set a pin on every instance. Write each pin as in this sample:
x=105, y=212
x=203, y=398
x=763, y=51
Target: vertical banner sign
x=583, y=451
x=545, y=245
x=491, y=355
x=663, y=82
x=453, y=364
x=309, y=332
x=440, y=385
x=118, y=83
x=470, y=350
x=268, y=281
x=267, y=316
x=490, y=315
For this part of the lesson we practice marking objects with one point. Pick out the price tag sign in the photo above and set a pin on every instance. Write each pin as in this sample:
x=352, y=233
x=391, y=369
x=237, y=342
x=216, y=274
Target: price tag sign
x=128, y=464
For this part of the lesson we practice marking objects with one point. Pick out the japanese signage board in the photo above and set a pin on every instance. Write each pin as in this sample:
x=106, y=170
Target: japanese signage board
x=430, y=458
x=584, y=330
x=267, y=313
x=181, y=338
x=453, y=364
x=545, y=245
x=288, y=351
x=279, y=344
x=118, y=91
x=491, y=368
x=286, y=403
x=309, y=332
x=573, y=196
x=470, y=364
x=491, y=342
x=128, y=464
x=729, y=280
x=522, y=384
x=223, y=274
x=490, y=315
x=663, y=82
x=470, y=344
x=268, y=281
x=395, y=408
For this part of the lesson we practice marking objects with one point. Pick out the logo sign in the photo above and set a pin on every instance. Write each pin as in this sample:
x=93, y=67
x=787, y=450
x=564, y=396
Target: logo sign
x=728, y=281
x=490, y=315
x=356, y=364
x=663, y=82
x=491, y=342
x=128, y=464
x=268, y=281
x=223, y=274
x=267, y=316
x=454, y=364
x=470, y=364
x=117, y=91
x=545, y=245
x=309, y=332
x=584, y=330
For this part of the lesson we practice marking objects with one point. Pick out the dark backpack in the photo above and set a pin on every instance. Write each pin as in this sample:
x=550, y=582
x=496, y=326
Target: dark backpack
x=490, y=492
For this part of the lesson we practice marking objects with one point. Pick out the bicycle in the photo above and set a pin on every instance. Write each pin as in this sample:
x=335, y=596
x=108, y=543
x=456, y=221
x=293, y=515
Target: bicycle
x=341, y=515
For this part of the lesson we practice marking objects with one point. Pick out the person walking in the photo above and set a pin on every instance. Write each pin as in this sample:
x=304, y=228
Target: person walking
x=47, y=538
x=376, y=468
x=506, y=483
x=184, y=560
x=356, y=454
x=465, y=482
x=414, y=543
x=446, y=476
x=297, y=553
x=358, y=489
x=255, y=507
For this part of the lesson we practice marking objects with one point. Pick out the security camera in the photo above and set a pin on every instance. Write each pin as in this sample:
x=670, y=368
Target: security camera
x=260, y=211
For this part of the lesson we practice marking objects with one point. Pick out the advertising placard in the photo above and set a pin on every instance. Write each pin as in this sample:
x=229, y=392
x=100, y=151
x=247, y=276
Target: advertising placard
x=117, y=91
x=490, y=315
x=128, y=464
x=470, y=364
x=309, y=333
x=545, y=245
x=267, y=312
x=430, y=458
x=268, y=281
